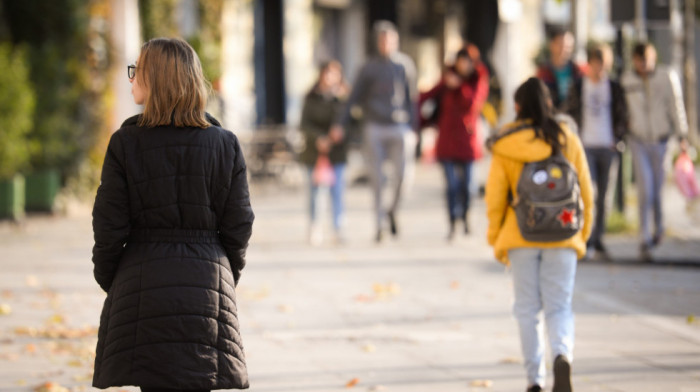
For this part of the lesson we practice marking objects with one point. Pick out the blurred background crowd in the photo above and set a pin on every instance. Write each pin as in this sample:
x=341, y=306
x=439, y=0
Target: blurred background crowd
x=65, y=90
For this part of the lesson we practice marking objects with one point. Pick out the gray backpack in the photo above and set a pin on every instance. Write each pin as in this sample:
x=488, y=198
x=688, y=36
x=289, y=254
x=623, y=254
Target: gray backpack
x=547, y=203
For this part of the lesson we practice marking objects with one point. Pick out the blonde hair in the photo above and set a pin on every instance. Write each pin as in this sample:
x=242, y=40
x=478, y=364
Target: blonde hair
x=176, y=91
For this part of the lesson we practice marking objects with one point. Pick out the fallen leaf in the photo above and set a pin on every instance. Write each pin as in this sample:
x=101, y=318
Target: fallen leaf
x=5, y=309
x=51, y=387
x=394, y=288
x=285, y=308
x=369, y=348
x=481, y=383
x=8, y=294
x=21, y=383
x=9, y=357
x=363, y=298
x=511, y=360
x=56, y=319
x=30, y=348
x=690, y=319
x=454, y=285
x=75, y=363
x=352, y=383
x=31, y=281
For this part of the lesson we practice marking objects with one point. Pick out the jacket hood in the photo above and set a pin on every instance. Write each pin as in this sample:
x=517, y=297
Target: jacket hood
x=521, y=145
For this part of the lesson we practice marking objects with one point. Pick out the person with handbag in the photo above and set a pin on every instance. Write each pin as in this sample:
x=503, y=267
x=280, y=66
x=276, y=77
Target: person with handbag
x=325, y=151
x=460, y=96
x=657, y=113
x=543, y=263
x=171, y=221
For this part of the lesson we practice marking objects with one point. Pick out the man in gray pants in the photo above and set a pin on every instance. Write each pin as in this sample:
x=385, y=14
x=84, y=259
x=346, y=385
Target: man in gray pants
x=385, y=90
x=656, y=114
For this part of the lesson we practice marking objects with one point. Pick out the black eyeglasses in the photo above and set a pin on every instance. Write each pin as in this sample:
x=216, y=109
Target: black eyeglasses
x=131, y=71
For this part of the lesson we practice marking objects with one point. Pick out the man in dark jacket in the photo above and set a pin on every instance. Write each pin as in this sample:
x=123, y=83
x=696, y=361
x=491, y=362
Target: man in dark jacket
x=559, y=73
x=599, y=108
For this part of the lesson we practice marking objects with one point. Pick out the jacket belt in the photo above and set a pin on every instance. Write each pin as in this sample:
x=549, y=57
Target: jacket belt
x=174, y=235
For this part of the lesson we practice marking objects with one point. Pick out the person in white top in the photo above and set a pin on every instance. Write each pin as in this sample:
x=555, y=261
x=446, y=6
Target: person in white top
x=656, y=114
x=598, y=106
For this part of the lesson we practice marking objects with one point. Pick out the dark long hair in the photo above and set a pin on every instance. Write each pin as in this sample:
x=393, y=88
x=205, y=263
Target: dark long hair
x=536, y=106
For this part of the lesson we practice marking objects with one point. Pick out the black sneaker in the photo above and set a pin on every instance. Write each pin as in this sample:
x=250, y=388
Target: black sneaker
x=602, y=252
x=645, y=253
x=392, y=223
x=451, y=233
x=534, y=388
x=562, y=374
x=656, y=239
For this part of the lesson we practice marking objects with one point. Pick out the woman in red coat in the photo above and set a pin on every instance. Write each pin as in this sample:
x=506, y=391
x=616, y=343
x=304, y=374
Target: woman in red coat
x=459, y=96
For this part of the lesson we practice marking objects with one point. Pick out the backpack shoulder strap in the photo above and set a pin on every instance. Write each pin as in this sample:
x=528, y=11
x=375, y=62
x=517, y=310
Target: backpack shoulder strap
x=506, y=132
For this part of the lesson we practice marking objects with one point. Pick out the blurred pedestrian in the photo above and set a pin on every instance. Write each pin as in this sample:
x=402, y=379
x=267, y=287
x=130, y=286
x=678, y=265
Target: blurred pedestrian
x=657, y=113
x=559, y=72
x=322, y=106
x=385, y=90
x=598, y=105
x=543, y=271
x=459, y=97
x=171, y=220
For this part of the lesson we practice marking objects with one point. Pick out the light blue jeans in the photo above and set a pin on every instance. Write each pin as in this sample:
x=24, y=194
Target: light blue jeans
x=543, y=280
x=337, y=191
x=649, y=174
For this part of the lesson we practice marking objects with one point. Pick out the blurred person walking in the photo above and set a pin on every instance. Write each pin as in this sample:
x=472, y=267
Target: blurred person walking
x=543, y=271
x=559, y=72
x=325, y=145
x=657, y=113
x=171, y=220
x=459, y=97
x=385, y=90
x=598, y=105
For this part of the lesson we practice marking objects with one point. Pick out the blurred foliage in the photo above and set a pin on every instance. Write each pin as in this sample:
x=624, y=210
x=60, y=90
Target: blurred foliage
x=618, y=223
x=68, y=47
x=159, y=19
x=16, y=110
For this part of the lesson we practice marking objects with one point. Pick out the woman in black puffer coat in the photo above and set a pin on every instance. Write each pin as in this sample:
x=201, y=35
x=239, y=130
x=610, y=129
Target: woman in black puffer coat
x=172, y=219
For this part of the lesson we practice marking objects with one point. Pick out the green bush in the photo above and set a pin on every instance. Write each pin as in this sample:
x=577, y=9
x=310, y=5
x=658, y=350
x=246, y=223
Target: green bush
x=16, y=110
x=69, y=57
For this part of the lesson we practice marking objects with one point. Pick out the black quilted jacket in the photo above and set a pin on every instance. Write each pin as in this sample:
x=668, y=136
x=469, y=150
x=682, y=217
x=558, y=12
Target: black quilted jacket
x=172, y=219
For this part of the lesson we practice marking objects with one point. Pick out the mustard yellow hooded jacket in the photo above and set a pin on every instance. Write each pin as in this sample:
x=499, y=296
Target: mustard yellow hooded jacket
x=510, y=153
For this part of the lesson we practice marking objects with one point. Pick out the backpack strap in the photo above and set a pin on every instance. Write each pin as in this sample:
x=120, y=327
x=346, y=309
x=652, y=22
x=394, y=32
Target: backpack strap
x=500, y=135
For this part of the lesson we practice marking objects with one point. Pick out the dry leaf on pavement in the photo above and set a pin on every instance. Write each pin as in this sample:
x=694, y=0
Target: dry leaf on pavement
x=50, y=387
x=481, y=383
x=369, y=348
x=352, y=383
x=5, y=309
x=31, y=281
x=286, y=308
x=511, y=360
x=30, y=348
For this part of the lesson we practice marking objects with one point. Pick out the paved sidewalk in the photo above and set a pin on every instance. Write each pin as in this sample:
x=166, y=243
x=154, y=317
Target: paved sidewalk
x=412, y=314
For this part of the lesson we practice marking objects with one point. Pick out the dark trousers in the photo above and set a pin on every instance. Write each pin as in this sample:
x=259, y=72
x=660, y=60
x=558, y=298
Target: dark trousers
x=172, y=390
x=459, y=181
x=602, y=163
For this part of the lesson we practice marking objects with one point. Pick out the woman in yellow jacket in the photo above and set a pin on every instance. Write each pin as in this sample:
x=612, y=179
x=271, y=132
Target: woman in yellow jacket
x=543, y=272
